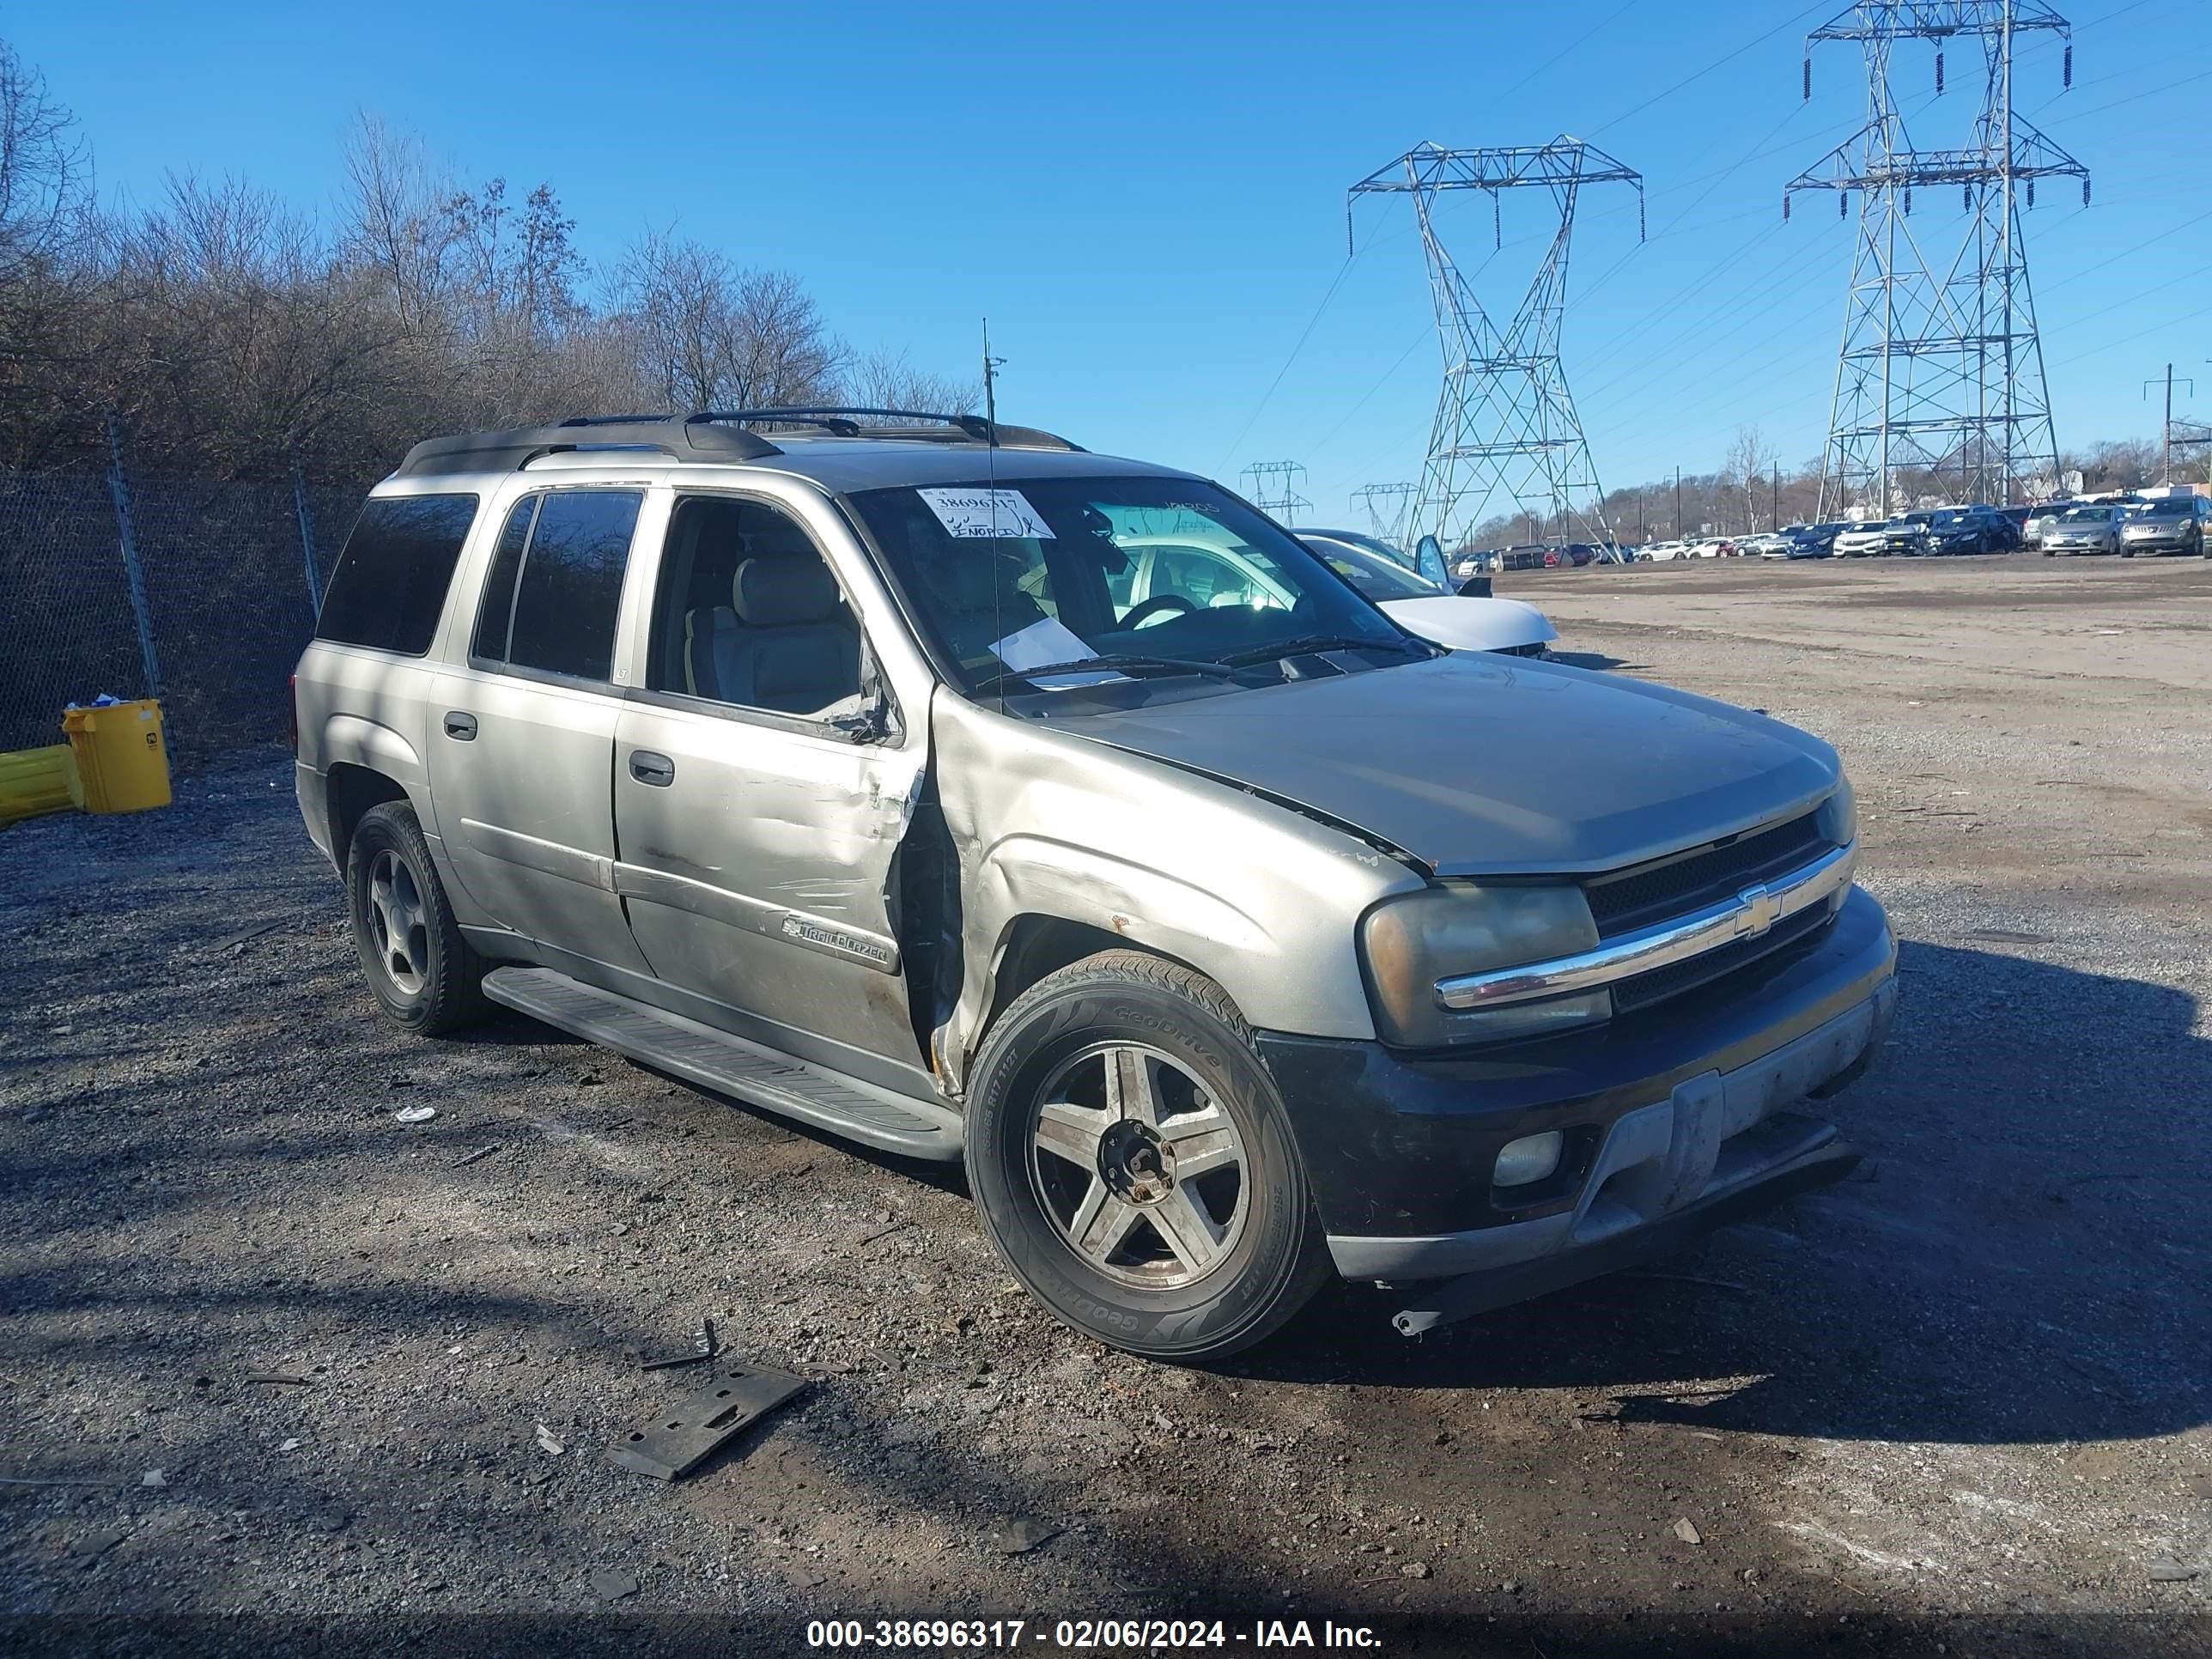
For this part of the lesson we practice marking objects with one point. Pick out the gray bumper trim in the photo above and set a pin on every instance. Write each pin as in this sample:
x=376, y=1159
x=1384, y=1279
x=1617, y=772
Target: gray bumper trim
x=1692, y=1148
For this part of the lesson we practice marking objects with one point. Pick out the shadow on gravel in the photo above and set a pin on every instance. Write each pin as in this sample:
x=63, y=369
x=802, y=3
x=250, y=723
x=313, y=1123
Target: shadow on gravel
x=2018, y=1261
x=1591, y=659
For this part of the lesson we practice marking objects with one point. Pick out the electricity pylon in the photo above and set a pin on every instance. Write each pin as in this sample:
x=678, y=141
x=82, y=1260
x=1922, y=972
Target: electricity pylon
x=1273, y=489
x=1941, y=368
x=1388, y=507
x=1505, y=422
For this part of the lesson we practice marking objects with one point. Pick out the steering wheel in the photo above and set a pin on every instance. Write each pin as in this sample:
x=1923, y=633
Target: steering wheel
x=1158, y=604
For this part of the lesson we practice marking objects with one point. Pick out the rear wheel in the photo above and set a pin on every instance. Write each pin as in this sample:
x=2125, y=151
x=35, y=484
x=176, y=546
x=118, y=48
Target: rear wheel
x=419, y=966
x=1133, y=1165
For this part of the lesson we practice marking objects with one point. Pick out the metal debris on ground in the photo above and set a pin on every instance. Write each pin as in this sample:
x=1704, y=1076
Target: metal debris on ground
x=1688, y=1531
x=684, y=1437
x=705, y=1344
x=613, y=1586
x=415, y=1114
x=1020, y=1537
x=480, y=1153
x=276, y=1376
x=2170, y=1572
x=549, y=1441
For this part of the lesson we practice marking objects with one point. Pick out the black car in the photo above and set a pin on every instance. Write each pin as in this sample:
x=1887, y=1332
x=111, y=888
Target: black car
x=1969, y=530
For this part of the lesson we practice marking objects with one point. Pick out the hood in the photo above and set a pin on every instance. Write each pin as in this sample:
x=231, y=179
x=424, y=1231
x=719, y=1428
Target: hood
x=1472, y=624
x=1474, y=764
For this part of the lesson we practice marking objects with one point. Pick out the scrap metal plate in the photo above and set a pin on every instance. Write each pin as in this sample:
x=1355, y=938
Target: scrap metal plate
x=688, y=1433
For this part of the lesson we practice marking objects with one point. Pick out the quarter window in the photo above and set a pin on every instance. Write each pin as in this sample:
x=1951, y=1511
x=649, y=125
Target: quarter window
x=570, y=591
x=497, y=612
x=389, y=588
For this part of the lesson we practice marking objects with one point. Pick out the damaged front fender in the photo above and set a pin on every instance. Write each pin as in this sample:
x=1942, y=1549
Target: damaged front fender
x=1041, y=823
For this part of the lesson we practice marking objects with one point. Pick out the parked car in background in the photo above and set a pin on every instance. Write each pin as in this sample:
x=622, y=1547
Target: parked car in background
x=2094, y=528
x=2175, y=524
x=1662, y=552
x=1968, y=529
x=1815, y=541
x=2016, y=520
x=1709, y=547
x=1234, y=947
x=2041, y=517
x=1361, y=539
x=1463, y=621
x=1906, y=536
x=1760, y=544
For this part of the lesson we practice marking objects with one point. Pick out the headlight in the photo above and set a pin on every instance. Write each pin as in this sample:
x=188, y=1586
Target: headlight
x=1408, y=944
x=1839, y=815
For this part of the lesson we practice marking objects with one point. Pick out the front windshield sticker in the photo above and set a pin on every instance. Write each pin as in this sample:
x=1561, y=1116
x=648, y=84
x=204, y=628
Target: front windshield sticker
x=989, y=515
x=1046, y=640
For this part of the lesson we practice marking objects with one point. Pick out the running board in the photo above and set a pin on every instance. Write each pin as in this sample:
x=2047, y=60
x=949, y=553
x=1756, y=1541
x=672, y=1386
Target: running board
x=730, y=1065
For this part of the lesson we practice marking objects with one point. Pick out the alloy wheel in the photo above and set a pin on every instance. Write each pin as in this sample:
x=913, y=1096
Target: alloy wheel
x=399, y=923
x=1139, y=1168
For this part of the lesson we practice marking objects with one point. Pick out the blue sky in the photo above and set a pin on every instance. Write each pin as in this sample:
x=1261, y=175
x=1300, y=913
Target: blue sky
x=1148, y=200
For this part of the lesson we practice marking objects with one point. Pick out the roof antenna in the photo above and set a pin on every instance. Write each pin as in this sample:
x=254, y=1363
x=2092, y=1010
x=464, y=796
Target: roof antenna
x=991, y=472
x=991, y=365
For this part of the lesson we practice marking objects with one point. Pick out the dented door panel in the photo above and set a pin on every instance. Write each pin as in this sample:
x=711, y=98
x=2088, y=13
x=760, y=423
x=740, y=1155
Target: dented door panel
x=1255, y=895
x=757, y=874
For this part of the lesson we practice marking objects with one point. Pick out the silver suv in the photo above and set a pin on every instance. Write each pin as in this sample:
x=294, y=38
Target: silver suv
x=1233, y=941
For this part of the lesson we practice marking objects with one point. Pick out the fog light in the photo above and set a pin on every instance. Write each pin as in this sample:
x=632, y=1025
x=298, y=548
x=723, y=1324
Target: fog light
x=1532, y=1157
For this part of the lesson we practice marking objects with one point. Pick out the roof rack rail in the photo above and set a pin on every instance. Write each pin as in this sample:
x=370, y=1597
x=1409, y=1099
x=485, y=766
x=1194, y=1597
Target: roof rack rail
x=687, y=439
x=847, y=422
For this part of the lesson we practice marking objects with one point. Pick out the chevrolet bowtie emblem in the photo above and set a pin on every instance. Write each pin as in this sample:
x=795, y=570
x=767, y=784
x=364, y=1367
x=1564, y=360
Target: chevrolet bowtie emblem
x=1761, y=910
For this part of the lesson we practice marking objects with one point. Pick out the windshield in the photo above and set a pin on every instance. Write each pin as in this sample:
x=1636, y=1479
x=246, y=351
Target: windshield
x=1052, y=571
x=1374, y=544
x=2166, y=510
x=1377, y=577
x=1951, y=517
x=1916, y=518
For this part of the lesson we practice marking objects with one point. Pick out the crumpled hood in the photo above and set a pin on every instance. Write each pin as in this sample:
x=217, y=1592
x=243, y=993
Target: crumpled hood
x=1479, y=764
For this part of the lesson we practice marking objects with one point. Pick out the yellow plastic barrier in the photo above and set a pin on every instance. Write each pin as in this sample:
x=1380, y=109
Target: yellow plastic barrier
x=122, y=765
x=36, y=780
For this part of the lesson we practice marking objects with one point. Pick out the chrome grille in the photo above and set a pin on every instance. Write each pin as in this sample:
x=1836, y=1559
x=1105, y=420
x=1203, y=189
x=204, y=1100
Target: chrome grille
x=1667, y=888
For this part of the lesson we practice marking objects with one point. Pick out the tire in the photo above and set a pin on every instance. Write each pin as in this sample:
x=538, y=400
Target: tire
x=418, y=965
x=1192, y=1086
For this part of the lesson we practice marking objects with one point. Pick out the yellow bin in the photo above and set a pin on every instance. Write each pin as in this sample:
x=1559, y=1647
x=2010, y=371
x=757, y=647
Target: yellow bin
x=122, y=765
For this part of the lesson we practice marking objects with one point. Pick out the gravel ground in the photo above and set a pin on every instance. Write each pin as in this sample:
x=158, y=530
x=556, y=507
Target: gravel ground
x=1957, y=1405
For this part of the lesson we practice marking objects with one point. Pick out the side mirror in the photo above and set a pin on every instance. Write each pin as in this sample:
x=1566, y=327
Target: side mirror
x=1429, y=560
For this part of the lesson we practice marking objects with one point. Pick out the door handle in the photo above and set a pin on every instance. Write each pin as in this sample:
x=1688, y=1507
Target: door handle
x=647, y=767
x=460, y=724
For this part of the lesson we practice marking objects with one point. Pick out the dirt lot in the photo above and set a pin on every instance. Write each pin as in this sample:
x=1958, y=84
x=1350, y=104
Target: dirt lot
x=1957, y=1405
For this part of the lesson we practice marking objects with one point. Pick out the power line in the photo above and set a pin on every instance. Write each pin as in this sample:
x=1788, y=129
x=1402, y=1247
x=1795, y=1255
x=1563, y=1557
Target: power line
x=1342, y=271
x=2155, y=328
x=1786, y=23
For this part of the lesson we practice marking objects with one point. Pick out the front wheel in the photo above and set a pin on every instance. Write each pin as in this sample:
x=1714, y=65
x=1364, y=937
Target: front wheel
x=1133, y=1162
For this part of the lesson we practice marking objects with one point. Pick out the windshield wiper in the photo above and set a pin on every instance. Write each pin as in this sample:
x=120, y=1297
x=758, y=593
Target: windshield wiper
x=1308, y=642
x=1130, y=665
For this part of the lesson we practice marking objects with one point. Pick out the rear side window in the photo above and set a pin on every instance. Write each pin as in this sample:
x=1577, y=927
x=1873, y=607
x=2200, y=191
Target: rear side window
x=391, y=582
x=497, y=612
x=572, y=578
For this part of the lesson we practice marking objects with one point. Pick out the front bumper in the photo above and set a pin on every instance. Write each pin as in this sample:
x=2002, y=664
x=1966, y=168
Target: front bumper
x=2167, y=542
x=1671, y=1119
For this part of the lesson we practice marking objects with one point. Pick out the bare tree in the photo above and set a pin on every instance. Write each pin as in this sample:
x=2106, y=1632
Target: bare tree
x=711, y=335
x=886, y=379
x=1746, y=467
x=45, y=170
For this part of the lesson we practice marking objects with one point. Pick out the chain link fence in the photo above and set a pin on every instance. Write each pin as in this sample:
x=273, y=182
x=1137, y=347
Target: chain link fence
x=201, y=593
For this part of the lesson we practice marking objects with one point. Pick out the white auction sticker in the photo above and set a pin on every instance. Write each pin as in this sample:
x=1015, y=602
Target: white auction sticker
x=987, y=515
